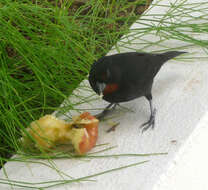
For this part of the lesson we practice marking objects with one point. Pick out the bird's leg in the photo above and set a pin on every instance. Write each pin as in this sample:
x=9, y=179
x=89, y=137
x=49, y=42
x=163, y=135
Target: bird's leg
x=109, y=108
x=151, y=121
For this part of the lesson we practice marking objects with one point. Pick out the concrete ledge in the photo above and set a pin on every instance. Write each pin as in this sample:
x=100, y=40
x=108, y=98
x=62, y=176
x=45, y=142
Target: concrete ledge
x=189, y=169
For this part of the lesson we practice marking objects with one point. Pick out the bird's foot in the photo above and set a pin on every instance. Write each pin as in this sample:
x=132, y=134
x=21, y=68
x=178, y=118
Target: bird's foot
x=106, y=111
x=150, y=122
x=101, y=115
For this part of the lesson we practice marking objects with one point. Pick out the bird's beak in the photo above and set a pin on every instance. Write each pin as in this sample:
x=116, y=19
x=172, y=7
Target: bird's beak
x=100, y=87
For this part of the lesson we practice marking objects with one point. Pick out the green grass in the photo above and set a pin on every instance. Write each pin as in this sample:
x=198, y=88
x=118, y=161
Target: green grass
x=46, y=49
x=56, y=183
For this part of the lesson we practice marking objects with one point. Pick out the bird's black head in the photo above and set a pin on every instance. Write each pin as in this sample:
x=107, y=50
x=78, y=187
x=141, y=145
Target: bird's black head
x=102, y=75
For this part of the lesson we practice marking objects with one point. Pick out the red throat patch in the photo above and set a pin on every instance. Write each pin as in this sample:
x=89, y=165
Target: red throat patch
x=110, y=88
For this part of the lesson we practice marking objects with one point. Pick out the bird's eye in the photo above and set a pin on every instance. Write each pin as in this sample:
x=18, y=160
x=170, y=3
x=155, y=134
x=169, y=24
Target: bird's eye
x=108, y=74
x=105, y=76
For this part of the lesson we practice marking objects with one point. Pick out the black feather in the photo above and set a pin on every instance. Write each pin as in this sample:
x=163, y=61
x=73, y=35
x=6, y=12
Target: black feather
x=134, y=72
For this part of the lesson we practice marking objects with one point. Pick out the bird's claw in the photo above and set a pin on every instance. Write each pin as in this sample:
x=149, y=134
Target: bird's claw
x=101, y=115
x=150, y=122
x=107, y=110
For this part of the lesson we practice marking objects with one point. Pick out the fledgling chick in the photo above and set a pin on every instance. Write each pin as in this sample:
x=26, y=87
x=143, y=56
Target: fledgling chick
x=126, y=76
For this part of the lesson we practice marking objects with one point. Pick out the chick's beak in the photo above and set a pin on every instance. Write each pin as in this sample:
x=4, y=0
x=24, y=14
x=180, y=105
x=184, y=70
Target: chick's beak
x=100, y=87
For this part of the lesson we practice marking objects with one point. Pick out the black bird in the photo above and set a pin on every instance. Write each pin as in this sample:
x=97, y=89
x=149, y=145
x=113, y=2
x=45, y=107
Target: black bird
x=126, y=76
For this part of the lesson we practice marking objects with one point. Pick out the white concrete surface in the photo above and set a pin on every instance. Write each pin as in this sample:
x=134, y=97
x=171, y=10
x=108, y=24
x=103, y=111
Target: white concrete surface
x=189, y=168
x=180, y=94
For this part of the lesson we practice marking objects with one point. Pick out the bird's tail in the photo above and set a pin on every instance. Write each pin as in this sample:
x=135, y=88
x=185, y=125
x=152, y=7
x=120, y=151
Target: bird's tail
x=162, y=58
x=171, y=54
